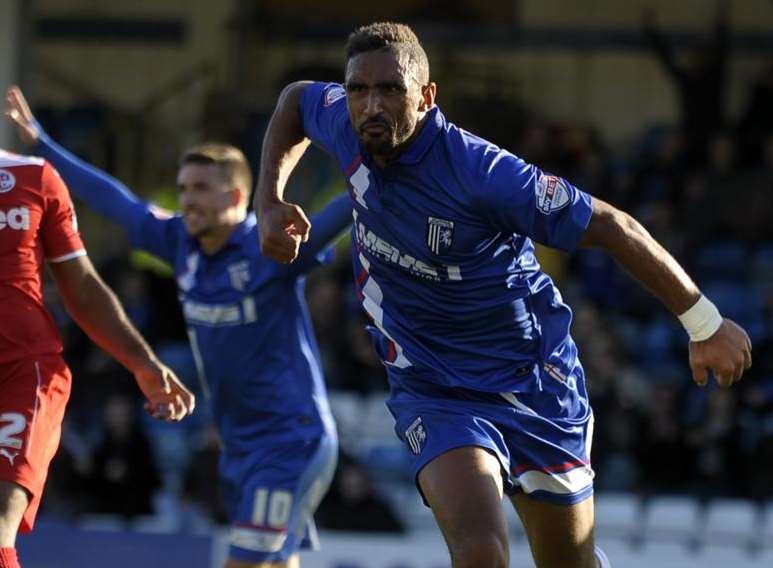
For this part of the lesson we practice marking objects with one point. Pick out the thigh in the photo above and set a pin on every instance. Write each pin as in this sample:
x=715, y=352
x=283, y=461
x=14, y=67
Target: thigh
x=33, y=397
x=464, y=489
x=271, y=495
x=14, y=500
x=559, y=535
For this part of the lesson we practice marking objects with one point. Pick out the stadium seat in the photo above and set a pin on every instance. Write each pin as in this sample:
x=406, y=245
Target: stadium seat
x=671, y=519
x=618, y=514
x=731, y=521
x=347, y=408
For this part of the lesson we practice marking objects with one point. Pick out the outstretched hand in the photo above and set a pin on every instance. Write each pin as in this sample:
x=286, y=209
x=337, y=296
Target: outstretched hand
x=282, y=227
x=727, y=354
x=168, y=399
x=18, y=112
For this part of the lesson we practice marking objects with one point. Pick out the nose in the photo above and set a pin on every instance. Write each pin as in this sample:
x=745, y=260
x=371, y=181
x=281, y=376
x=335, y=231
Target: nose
x=184, y=199
x=373, y=104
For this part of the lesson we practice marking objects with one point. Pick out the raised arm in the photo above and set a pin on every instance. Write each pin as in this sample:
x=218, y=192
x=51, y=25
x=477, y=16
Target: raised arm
x=97, y=311
x=100, y=191
x=659, y=44
x=282, y=226
x=716, y=344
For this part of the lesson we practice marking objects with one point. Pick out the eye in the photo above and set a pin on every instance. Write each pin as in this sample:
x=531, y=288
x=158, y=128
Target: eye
x=354, y=88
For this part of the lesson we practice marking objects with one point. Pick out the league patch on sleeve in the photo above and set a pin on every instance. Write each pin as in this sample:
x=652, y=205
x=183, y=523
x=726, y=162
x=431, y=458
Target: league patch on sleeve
x=332, y=94
x=552, y=194
x=7, y=181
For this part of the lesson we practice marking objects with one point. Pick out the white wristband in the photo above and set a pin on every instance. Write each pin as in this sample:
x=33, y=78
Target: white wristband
x=702, y=320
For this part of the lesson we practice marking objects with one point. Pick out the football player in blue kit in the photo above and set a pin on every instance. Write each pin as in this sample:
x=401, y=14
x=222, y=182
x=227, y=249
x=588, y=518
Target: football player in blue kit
x=249, y=331
x=487, y=390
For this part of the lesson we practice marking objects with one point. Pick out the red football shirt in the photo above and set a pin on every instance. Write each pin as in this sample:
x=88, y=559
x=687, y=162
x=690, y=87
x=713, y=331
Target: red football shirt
x=37, y=223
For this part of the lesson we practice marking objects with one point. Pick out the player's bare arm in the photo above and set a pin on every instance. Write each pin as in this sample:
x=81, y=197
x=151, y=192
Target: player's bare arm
x=727, y=349
x=282, y=226
x=97, y=311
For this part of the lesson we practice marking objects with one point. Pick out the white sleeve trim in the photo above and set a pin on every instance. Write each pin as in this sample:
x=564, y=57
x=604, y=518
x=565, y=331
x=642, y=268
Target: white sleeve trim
x=69, y=256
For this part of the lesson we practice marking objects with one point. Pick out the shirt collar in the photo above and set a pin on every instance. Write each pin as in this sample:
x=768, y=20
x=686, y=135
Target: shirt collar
x=434, y=123
x=237, y=236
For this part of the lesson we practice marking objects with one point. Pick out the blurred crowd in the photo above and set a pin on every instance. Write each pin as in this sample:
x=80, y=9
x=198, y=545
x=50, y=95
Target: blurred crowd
x=706, y=198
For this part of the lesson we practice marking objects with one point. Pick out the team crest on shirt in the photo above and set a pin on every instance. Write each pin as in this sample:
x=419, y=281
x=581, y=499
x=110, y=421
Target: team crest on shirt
x=440, y=234
x=239, y=273
x=333, y=94
x=416, y=435
x=7, y=181
x=552, y=194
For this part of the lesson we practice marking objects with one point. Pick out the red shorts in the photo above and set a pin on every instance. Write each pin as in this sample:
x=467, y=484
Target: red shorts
x=33, y=396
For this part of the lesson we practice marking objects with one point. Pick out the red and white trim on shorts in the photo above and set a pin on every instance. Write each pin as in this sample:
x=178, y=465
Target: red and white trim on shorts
x=257, y=538
x=561, y=479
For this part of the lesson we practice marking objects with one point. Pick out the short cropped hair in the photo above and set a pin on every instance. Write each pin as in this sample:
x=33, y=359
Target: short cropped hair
x=230, y=160
x=398, y=38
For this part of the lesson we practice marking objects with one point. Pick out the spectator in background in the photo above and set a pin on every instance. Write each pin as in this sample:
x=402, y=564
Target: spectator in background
x=201, y=487
x=125, y=475
x=352, y=504
x=756, y=124
x=699, y=80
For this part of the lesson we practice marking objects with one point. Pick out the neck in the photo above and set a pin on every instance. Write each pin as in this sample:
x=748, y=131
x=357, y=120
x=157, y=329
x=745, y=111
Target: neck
x=216, y=239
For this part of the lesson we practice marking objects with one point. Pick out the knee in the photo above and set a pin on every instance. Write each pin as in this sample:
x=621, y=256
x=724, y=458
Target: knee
x=477, y=551
x=577, y=556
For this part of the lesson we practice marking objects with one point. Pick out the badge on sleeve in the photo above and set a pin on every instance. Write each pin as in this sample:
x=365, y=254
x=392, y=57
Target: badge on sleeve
x=7, y=181
x=552, y=194
x=332, y=94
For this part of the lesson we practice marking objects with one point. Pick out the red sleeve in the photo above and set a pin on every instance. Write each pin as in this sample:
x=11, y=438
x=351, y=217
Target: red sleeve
x=59, y=226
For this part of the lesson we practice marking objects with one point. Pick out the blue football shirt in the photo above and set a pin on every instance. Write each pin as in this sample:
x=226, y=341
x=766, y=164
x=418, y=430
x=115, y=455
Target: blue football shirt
x=246, y=315
x=443, y=254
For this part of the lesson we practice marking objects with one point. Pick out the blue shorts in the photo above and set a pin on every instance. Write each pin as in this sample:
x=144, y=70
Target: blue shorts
x=271, y=495
x=542, y=437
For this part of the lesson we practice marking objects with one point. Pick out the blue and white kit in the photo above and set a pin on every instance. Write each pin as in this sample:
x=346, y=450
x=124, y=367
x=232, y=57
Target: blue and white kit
x=255, y=350
x=474, y=336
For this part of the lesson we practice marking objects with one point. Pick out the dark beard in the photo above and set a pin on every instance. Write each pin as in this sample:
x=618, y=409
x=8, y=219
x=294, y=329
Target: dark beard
x=386, y=147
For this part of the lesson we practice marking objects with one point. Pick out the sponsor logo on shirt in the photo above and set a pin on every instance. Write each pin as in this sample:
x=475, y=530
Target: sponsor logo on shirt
x=17, y=218
x=333, y=94
x=215, y=315
x=7, y=181
x=552, y=194
x=440, y=234
x=416, y=435
x=383, y=250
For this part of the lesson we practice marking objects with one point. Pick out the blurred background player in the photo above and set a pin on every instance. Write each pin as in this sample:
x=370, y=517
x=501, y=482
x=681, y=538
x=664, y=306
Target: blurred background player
x=249, y=331
x=486, y=387
x=37, y=225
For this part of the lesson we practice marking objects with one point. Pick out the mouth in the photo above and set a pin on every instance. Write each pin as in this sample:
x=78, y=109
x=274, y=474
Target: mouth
x=374, y=129
x=192, y=216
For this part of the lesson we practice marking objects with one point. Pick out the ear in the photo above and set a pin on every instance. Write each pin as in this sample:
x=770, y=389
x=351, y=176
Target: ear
x=428, y=94
x=238, y=196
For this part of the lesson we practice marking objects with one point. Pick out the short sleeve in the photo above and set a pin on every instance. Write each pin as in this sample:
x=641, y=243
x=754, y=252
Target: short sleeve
x=324, y=114
x=59, y=225
x=520, y=198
